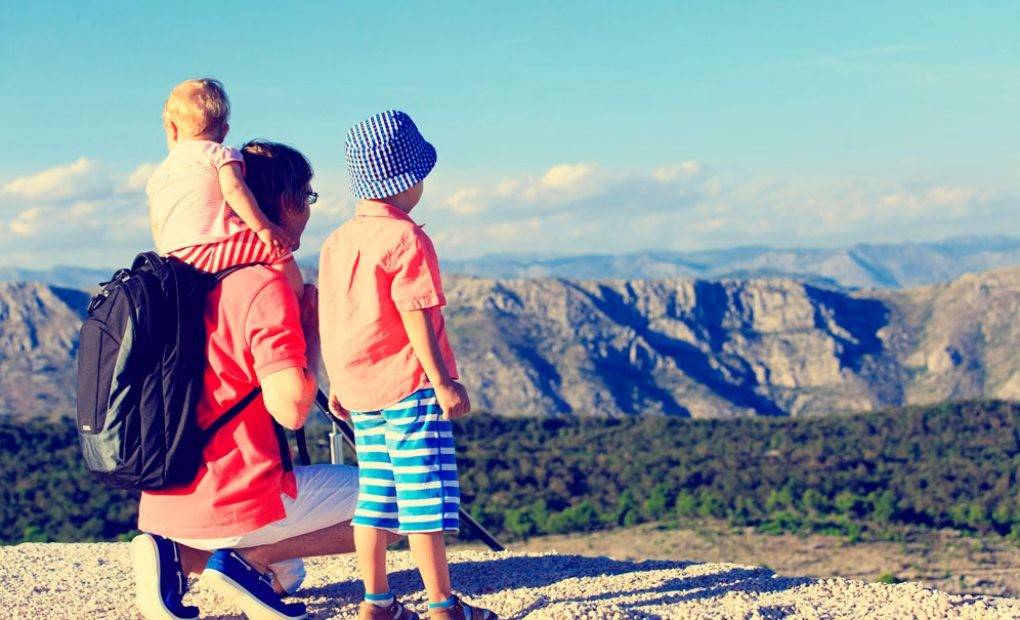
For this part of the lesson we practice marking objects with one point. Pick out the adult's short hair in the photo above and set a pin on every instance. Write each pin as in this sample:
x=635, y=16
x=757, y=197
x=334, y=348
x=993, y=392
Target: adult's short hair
x=277, y=176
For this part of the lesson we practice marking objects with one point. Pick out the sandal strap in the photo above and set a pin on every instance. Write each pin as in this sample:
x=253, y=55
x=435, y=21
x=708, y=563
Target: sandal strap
x=403, y=613
x=473, y=613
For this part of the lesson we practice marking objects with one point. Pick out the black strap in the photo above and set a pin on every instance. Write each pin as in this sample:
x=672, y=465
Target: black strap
x=219, y=275
x=281, y=441
x=302, y=447
x=230, y=414
x=281, y=434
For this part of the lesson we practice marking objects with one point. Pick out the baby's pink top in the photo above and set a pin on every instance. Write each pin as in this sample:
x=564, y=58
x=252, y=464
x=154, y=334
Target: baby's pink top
x=186, y=206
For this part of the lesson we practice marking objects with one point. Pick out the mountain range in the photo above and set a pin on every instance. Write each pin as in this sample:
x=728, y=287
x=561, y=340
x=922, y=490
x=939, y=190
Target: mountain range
x=681, y=346
x=861, y=266
x=858, y=266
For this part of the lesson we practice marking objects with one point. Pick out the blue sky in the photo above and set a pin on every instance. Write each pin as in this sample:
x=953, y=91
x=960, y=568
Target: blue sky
x=562, y=128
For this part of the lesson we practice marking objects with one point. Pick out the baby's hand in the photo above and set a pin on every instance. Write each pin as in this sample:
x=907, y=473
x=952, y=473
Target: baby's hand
x=274, y=238
x=453, y=399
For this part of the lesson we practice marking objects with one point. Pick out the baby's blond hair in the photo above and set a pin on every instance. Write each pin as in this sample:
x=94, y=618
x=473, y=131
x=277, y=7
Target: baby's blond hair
x=199, y=108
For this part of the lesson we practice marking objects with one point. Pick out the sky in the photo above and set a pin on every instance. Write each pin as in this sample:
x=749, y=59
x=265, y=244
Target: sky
x=562, y=128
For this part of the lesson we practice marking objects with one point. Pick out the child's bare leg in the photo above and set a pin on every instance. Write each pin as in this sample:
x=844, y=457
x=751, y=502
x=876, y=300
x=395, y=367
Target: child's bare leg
x=429, y=551
x=290, y=269
x=370, y=543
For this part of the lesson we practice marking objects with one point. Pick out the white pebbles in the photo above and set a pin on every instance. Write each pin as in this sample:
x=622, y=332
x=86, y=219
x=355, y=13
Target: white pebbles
x=94, y=581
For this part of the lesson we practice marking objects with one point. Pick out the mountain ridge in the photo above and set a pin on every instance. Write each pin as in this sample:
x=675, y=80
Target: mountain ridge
x=681, y=347
x=859, y=266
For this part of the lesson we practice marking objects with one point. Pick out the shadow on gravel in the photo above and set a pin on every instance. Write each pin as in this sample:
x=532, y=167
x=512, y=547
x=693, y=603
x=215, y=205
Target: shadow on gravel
x=483, y=577
x=686, y=589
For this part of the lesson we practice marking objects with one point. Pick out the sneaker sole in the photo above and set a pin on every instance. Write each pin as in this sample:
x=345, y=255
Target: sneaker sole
x=145, y=561
x=253, y=608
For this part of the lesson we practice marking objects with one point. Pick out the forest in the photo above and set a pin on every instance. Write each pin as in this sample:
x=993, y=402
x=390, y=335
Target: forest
x=857, y=476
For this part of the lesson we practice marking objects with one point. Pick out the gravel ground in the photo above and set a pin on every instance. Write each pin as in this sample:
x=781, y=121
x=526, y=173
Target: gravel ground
x=94, y=581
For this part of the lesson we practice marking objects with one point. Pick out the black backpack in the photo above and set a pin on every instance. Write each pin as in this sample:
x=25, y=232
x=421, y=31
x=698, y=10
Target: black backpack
x=141, y=359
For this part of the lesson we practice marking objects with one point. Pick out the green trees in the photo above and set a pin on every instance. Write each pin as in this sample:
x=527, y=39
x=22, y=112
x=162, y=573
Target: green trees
x=46, y=495
x=954, y=465
x=946, y=466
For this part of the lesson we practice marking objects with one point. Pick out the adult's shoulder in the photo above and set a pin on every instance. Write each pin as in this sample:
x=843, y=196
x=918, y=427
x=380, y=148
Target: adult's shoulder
x=243, y=286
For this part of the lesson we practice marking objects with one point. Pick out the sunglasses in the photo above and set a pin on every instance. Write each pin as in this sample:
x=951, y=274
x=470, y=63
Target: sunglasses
x=312, y=197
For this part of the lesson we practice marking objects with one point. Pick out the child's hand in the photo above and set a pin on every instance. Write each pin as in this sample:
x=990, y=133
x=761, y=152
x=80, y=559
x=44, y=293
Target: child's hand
x=453, y=399
x=338, y=409
x=274, y=238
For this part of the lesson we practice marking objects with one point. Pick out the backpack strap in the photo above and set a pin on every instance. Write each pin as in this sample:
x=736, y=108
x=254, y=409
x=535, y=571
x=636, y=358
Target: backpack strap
x=229, y=415
x=302, y=447
x=281, y=434
x=281, y=441
x=219, y=275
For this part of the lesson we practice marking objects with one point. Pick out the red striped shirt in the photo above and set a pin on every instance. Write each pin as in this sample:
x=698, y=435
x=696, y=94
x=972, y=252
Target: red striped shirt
x=243, y=248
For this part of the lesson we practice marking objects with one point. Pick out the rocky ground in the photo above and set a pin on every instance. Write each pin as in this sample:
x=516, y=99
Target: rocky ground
x=945, y=560
x=94, y=581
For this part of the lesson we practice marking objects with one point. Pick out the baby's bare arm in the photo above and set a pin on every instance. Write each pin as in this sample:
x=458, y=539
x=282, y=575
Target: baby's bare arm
x=239, y=197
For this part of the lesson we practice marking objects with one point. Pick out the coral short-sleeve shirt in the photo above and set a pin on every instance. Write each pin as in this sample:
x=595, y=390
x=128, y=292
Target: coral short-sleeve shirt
x=253, y=329
x=378, y=264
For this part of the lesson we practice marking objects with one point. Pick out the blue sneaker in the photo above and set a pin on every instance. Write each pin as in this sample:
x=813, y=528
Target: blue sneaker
x=160, y=582
x=239, y=582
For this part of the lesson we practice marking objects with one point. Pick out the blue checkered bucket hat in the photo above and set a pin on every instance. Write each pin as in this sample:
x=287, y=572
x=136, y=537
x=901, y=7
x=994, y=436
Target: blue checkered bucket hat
x=386, y=154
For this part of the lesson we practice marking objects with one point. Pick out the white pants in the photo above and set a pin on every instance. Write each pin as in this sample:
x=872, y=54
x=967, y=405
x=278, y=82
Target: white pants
x=326, y=495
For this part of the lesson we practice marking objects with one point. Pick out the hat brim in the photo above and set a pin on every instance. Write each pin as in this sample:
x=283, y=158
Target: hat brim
x=382, y=189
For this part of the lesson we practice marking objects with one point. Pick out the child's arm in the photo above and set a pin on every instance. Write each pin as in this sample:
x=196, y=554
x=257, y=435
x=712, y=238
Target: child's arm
x=452, y=396
x=235, y=191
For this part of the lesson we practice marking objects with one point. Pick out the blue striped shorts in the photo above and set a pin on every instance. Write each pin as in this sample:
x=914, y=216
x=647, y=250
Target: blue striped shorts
x=407, y=469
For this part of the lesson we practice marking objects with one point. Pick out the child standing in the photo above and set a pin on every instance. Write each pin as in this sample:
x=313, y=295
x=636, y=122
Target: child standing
x=391, y=366
x=200, y=209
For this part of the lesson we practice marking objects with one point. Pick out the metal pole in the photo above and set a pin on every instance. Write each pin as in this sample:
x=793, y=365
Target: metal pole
x=347, y=433
x=336, y=445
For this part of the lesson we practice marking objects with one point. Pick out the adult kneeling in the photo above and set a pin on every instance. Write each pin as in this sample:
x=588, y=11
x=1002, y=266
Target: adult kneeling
x=247, y=516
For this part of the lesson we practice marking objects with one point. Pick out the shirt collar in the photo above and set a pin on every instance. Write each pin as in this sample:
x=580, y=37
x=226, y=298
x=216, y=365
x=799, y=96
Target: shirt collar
x=380, y=209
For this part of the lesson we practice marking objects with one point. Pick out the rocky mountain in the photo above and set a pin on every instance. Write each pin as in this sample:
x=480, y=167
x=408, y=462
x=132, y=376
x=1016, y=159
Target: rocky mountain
x=862, y=266
x=81, y=278
x=685, y=347
x=38, y=342
x=859, y=266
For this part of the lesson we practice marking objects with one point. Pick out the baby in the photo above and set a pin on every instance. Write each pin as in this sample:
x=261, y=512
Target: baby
x=200, y=209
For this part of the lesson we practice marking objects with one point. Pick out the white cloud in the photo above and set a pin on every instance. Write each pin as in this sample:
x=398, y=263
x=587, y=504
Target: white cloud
x=26, y=223
x=81, y=179
x=683, y=170
x=88, y=213
x=137, y=179
x=467, y=201
x=570, y=177
x=585, y=207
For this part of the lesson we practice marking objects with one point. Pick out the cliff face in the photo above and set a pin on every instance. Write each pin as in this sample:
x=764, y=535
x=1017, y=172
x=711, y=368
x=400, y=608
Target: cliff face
x=959, y=340
x=38, y=341
x=675, y=347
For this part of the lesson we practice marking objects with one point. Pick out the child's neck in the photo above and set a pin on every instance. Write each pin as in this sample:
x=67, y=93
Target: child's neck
x=393, y=201
x=181, y=139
